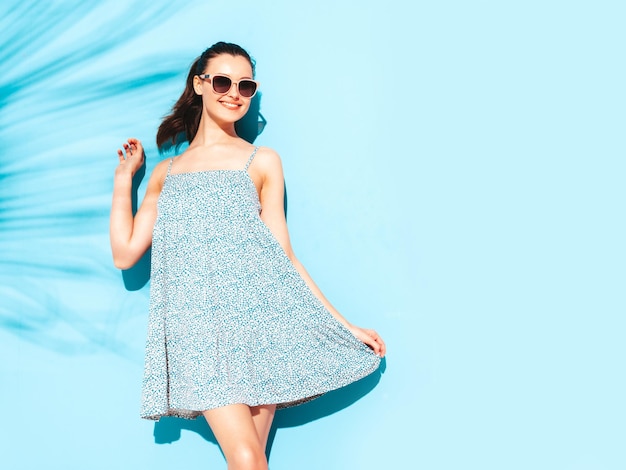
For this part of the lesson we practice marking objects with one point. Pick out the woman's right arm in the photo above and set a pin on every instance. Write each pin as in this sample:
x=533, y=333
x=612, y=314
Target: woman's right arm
x=131, y=236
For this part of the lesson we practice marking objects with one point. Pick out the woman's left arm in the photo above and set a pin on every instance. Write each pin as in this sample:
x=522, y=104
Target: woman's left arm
x=272, y=197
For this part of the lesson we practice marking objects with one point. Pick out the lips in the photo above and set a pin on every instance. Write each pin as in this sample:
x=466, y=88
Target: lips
x=229, y=105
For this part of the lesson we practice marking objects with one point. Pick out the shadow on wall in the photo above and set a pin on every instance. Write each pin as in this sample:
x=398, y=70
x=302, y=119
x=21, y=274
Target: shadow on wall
x=57, y=282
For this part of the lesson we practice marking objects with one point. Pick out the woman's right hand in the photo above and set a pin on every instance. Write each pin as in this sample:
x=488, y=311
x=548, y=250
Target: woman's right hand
x=131, y=157
x=131, y=234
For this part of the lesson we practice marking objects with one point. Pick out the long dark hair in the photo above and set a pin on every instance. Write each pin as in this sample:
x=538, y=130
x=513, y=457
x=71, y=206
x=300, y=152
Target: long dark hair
x=182, y=123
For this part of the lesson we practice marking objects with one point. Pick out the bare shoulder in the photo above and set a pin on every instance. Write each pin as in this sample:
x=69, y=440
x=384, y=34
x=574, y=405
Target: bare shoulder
x=268, y=161
x=158, y=173
x=161, y=167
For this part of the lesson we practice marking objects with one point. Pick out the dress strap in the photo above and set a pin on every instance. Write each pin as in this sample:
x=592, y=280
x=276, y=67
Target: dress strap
x=169, y=167
x=251, y=158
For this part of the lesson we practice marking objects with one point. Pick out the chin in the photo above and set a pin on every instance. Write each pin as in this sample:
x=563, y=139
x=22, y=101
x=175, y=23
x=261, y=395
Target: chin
x=231, y=116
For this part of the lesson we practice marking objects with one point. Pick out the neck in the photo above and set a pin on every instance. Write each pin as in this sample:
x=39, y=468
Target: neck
x=211, y=132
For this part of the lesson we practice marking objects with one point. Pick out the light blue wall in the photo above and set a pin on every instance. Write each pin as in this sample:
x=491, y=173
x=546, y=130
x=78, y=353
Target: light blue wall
x=455, y=176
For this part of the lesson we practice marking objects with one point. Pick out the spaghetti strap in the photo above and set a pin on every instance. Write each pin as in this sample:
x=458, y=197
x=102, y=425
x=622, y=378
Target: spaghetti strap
x=169, y=167
x=251, y=158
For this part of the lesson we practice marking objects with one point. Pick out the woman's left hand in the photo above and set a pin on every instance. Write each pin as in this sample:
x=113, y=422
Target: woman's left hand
x=370, y=338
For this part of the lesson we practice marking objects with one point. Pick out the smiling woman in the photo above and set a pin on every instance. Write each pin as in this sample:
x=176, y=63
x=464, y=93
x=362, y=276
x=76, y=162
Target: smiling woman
x=237, y=327
x=229, y=59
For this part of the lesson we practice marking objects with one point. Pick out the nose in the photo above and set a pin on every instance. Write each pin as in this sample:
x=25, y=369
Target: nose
x=234, y=90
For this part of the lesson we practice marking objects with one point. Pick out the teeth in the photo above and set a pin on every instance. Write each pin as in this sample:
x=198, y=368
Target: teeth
x=230, y=105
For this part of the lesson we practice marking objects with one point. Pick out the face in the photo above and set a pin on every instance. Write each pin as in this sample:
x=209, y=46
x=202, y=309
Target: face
x=229, y=106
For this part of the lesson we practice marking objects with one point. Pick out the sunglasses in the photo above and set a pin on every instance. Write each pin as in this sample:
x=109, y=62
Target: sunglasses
x=222, y=84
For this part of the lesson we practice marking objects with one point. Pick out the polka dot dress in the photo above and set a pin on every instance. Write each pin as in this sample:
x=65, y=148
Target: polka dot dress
x=231, y=320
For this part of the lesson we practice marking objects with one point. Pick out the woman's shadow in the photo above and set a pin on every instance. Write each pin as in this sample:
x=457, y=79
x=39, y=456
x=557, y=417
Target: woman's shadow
x=169, y=429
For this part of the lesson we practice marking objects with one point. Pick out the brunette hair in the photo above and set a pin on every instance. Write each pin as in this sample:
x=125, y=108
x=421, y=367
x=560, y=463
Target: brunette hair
x=182, y=123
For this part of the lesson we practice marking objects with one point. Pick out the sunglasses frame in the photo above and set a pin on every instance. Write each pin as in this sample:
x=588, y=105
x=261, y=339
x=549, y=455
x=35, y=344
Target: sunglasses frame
x=207, y=76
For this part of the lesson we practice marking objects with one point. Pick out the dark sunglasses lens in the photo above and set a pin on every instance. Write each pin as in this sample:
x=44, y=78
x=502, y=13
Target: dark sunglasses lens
x=247, y=88
x=221, y=84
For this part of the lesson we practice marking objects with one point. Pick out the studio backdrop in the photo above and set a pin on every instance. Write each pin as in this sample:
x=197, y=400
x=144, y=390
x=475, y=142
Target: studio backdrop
x=455, y=179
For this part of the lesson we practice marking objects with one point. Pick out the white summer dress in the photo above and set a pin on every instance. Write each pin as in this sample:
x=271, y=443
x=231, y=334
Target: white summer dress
x=231, y=320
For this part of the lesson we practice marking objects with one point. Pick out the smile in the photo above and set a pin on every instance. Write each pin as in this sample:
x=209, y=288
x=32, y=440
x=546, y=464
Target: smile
x=230, y=105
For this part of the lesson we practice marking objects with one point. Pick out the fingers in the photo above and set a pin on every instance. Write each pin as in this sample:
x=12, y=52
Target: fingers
x=371, y=338
x=383, y=347
x=374, y=345
x=135, y=145
x=125, y=153
x=378, y=345
x=130, y=148
x=381, y=343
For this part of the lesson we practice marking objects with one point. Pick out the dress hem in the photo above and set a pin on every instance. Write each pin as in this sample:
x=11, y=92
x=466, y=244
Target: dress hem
x=193, y=414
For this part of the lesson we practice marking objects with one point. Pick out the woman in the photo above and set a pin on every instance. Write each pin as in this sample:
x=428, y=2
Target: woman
x=237, y=326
